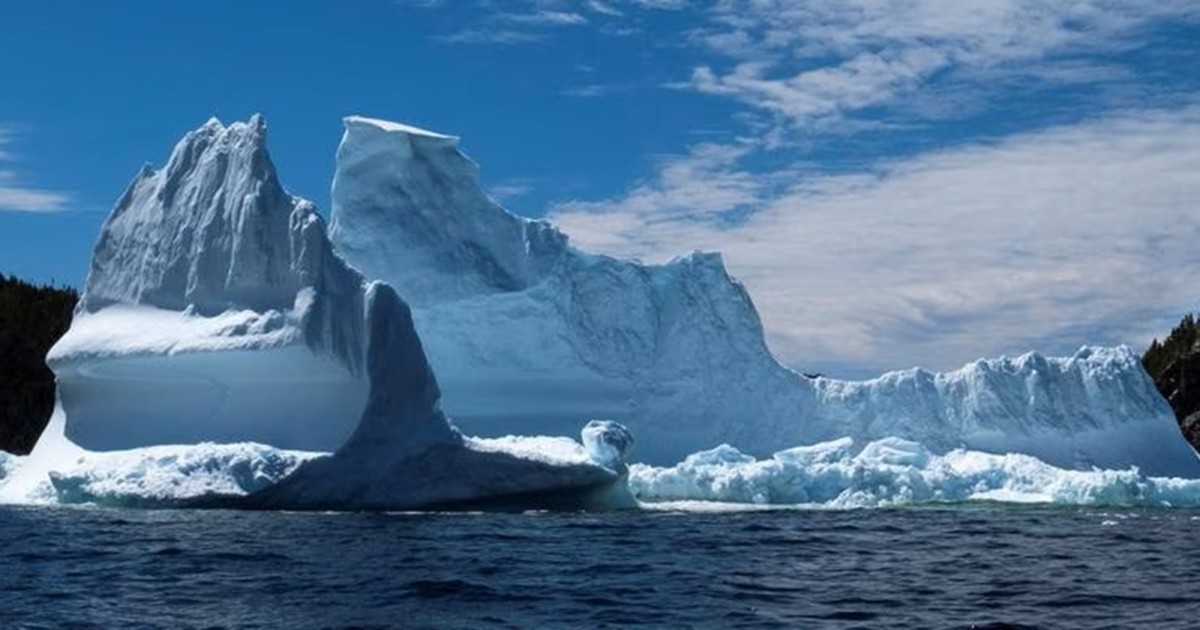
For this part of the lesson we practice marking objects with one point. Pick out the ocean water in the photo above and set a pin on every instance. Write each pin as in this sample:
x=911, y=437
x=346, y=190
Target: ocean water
x=955, y=567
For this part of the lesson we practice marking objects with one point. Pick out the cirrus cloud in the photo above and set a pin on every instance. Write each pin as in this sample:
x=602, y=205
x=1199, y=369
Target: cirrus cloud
x=811, y=62
x=18, y=196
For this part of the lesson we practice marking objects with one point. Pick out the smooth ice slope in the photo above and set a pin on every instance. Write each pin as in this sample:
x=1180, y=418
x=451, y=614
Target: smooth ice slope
x=530, y=334
x=214, y=310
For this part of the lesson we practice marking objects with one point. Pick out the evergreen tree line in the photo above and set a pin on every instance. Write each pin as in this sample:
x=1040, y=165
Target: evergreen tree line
x=32, y=318
x=1181, y=342
x=1174, y=364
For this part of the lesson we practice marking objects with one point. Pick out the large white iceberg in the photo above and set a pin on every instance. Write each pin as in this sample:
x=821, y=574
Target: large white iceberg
x=223, y=353
x=528, y=333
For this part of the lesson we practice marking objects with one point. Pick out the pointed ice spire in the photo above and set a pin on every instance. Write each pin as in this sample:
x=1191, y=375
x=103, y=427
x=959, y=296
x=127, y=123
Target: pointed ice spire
x=210, y=230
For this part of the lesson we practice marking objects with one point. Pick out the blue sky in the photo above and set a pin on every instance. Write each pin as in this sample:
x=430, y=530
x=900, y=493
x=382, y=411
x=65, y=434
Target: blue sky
x=897, y=182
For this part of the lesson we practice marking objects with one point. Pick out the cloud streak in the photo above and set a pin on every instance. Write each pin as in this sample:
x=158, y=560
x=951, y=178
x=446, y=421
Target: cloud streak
x=18, y=196
x=532, y=21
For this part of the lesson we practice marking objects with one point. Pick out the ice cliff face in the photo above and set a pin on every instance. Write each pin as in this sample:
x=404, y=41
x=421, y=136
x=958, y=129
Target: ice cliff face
x=529, y=333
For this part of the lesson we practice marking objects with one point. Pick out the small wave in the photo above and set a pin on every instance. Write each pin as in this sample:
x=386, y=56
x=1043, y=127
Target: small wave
x=436, y=589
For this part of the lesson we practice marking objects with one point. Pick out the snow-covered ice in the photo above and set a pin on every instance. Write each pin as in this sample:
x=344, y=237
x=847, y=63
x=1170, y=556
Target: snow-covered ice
x=529, y=334
x=891, y=472
x=166, y=476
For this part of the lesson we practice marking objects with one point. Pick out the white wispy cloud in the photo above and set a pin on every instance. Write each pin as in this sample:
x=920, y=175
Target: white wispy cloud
x=597, y=90
x=16, y=195
x=529, y=21
x=1044, y=240
x=510, y=189
x=549, y=18
x=519, y=21
x=811, y=62
x=662, y=5
x=421, y=4
x=604, y=8
x=492, y=36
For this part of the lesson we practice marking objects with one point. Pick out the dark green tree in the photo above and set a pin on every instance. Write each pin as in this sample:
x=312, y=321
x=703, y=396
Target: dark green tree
x=1179, y=343
x=32, y=318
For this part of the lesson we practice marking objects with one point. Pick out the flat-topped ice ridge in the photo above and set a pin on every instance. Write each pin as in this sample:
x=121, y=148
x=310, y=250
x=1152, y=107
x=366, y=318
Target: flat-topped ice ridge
x=387, y=125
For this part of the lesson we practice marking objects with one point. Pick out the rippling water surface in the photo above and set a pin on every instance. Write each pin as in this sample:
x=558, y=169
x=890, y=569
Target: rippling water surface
x=946, y=567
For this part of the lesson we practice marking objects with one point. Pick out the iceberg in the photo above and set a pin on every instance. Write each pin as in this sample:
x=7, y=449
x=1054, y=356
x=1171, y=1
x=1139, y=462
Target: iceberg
x=229, y=351
x=528, y=333
x=223, y=355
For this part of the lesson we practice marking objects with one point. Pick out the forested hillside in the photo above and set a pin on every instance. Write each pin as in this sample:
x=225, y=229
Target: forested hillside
x=32, y=318
x=1174, y=364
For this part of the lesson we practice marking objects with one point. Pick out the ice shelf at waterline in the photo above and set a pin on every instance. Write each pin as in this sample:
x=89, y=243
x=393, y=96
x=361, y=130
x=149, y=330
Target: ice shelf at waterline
x=528, y=333
x=218, y=327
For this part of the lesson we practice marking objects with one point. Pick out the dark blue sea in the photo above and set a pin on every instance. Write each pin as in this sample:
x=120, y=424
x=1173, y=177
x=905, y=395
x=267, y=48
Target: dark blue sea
x=954, y=567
